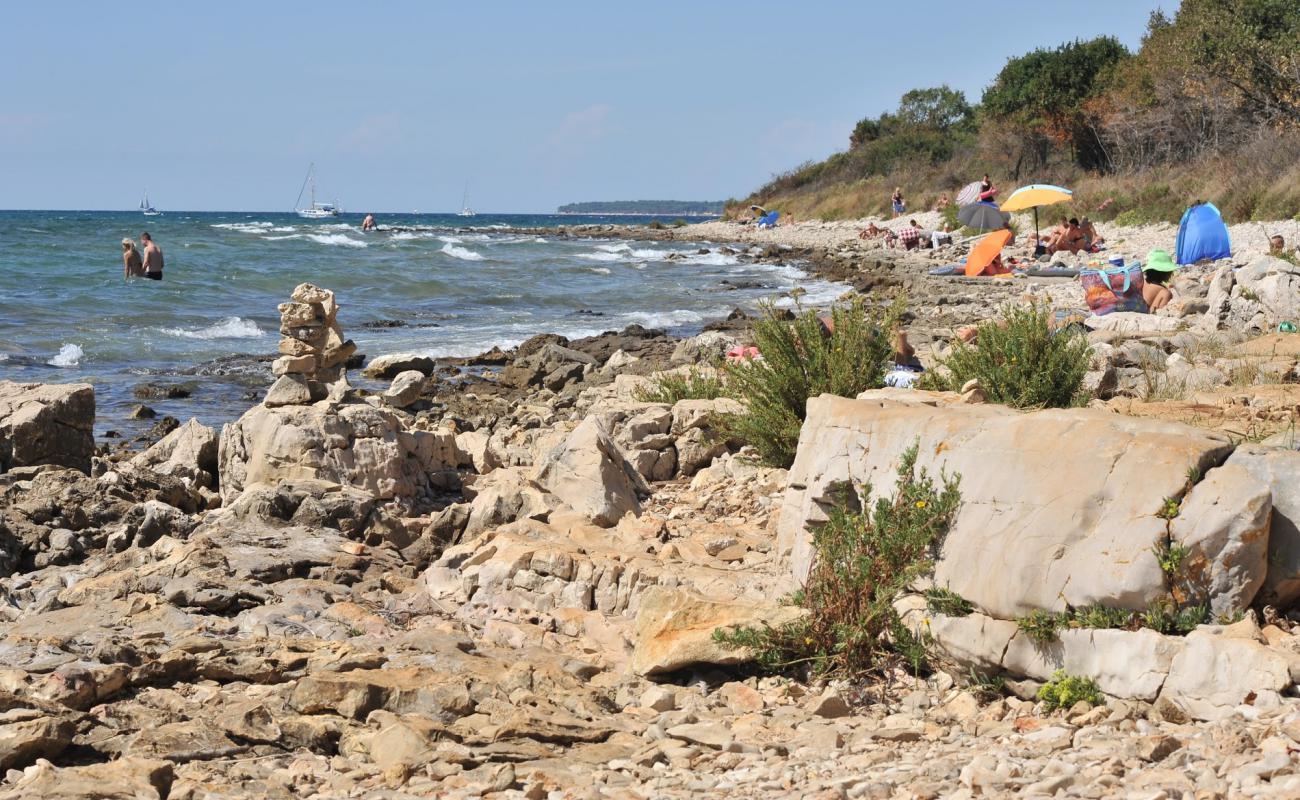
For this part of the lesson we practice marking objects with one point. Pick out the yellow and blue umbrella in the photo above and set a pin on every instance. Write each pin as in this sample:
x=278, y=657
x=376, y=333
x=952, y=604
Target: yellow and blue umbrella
x=1035, y=195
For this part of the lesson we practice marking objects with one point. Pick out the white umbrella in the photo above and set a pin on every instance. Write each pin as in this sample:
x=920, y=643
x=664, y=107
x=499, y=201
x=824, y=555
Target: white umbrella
x=969, y=194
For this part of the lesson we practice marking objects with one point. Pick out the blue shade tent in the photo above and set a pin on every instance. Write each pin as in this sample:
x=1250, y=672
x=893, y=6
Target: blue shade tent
x=769, y=220
x=1202, y=235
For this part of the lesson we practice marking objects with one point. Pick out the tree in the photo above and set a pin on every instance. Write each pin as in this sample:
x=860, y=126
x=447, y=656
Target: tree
x=1253, y=45
x=1045, y=93
x=938, y=109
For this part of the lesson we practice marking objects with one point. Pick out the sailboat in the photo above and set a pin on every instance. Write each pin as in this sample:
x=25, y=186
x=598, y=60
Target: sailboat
x=465, y=210
x=315, y=210
x=147, y=208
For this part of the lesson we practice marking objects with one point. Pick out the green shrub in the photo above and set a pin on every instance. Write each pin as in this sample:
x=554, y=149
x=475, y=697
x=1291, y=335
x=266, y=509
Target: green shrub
x=1099, y=616
x=1019, y=361
x=674, y=386
x=801, y=361
x=862, y=562
x=1172, y=556
x=1043, y=626
x=947, y=602
x=1063, y=691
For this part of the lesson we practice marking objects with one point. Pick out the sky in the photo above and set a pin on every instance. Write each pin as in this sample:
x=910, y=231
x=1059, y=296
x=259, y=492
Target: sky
x=400, y=105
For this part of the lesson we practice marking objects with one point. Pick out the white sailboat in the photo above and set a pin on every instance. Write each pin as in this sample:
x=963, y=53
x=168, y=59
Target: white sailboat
x=147, y=208
x=315, y=210
x=465, y=210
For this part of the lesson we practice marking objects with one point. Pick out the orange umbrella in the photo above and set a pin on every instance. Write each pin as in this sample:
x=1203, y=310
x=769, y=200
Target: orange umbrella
x=985, y=250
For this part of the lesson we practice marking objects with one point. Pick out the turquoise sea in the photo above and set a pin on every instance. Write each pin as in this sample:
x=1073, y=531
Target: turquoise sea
x=435, y=284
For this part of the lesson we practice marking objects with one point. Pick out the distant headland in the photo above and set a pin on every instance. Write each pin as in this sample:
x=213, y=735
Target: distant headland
x=682, y=207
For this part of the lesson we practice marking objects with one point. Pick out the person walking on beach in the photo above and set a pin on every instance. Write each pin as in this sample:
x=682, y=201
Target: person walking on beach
x=132, y=264
x=897, y=201
x=153, y=258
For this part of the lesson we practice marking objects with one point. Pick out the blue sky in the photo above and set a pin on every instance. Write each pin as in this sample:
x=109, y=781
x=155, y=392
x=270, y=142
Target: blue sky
x=221, y=106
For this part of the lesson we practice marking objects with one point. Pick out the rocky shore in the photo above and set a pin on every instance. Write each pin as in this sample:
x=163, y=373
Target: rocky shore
x=500, y=577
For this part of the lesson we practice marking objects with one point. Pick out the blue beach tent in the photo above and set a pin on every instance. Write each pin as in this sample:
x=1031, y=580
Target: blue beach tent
x=1202, y=235
x=769, y=220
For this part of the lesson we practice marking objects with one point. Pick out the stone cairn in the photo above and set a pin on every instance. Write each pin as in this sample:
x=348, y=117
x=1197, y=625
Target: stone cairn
x=313, y=353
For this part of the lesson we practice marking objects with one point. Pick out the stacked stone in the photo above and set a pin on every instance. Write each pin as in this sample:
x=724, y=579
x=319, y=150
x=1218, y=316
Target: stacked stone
x=313, y=352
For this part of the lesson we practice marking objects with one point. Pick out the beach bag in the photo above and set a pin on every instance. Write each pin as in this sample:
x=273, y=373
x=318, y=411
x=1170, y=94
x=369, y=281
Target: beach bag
x=1113, y=288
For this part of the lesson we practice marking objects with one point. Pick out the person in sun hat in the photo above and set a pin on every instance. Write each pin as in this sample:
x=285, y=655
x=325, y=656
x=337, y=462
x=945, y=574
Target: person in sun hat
x=1158, y=268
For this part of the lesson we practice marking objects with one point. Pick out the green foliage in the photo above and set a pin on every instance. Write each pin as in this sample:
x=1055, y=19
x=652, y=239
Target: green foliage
x=673, y=386
x=947, y=602
x=1104, y=617
x=1163, y=616
x=1169, y=508
x=1043, y=626
x=1019, y=361
x=1172, y=557
x=1045, y=93
x=928, y=126
x=862, y=562
x=985, y=687
x=800, y=360
x=1063, y=691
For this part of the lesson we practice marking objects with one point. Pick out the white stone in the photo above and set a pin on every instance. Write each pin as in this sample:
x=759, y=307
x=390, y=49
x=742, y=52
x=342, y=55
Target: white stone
x=588, y=473
x=1224, y=522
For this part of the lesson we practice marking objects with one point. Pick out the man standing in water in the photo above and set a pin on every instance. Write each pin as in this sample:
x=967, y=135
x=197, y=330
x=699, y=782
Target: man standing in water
x=153, y=258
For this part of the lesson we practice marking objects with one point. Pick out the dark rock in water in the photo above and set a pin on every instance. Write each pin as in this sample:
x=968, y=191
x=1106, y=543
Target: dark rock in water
x=165, y=391
x=142, y=411
x=111, y=434
x=494, y=357
x=586, y=312
x=703, y=251
x=737, y=313
x=258, y=367
x=783, y=313
x=732, y=286
x=161, y=428
x=384, y=323
x=355, y=361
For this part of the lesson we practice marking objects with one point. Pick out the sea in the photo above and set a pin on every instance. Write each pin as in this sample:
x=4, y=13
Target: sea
x=439, y=285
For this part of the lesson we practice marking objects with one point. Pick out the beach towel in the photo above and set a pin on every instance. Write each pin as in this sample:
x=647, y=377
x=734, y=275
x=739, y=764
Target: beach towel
x=1110, y=289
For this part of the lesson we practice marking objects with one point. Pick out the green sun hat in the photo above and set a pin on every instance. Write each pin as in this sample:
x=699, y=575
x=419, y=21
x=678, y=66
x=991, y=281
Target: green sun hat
x=1160, y=261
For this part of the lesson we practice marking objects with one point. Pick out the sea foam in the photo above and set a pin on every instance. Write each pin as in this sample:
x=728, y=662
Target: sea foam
x=69, y=356
x=463, y=253
x=228, y=328
x=335, y=239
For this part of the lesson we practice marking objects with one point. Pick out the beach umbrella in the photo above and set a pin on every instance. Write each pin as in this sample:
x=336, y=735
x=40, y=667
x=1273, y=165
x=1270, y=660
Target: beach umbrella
x=983, y=216
x=985, y=250
x=1035, y=195
x=759, y=210
x=970, y=193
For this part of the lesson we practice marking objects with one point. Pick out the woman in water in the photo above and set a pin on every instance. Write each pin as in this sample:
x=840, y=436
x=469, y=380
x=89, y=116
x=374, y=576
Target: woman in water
x=133, y=264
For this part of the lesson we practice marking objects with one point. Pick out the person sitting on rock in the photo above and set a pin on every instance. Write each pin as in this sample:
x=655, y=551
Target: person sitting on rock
x=1156, y=274
x=871, y=231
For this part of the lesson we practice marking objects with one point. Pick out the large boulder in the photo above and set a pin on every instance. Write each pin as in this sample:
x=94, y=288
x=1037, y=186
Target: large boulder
x=1275, y=284
x=588, y=473
x=189, y=453
x=674, y=629
x=1280, y=470
x=353, y=444
x=1224, y=523
x=1059, y=507
x=1214, y=674
x=389, y=366
x=46, y=423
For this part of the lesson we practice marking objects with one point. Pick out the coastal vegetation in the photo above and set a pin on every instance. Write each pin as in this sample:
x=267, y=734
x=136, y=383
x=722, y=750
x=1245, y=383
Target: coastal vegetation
x=694, y=384
x=864, y=560
x=1019, y=361
x=803, y=359
x=1207, y=108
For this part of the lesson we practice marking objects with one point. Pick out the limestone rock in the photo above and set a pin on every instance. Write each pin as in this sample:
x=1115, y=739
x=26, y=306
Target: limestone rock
x=1131, y=322
x=503, y=496
x=353, y=445
x=1224, y=521
x=706, y=347
x=674, y=629
x=1214, y=674
x=128, y=778
x=288, y=390
x=389, y=366
x=1126, y=664
x=46, y=423
x=588, y=473
x=405, y=389
x=1058, y=506
x=1280, y=470
x=189, y=453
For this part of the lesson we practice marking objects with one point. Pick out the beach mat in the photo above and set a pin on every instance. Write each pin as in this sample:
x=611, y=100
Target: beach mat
x=949, y=269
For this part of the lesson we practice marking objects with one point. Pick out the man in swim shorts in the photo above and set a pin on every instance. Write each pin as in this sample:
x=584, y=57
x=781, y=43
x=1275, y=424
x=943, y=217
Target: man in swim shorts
x=153, y=258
